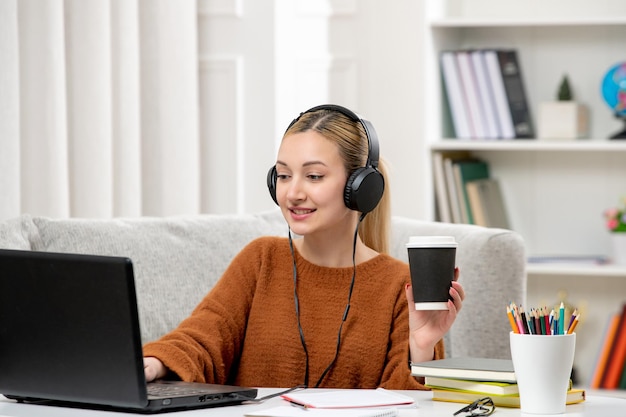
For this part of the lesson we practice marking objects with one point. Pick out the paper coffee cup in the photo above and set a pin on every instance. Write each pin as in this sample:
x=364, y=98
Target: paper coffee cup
x=432, y=262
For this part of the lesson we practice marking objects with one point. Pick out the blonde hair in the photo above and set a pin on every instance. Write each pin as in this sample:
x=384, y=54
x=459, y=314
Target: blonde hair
x=351, y=139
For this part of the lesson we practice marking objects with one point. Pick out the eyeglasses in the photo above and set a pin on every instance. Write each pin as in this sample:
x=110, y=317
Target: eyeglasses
x=481, y=407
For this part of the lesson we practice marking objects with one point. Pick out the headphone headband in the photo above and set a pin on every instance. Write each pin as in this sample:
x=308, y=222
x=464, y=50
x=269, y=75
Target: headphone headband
x=372, y=138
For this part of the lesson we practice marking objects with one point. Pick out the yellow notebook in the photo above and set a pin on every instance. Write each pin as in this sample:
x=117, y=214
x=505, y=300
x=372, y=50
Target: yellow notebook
x=459, y=396
x=485, y=387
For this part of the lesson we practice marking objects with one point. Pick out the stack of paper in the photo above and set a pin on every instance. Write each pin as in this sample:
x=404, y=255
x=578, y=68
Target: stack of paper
x=338, y=403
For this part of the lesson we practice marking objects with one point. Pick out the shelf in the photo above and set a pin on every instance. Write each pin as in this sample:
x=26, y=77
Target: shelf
x=583, y=145
x=580, y=270
x=555, y=189
x=473, y=22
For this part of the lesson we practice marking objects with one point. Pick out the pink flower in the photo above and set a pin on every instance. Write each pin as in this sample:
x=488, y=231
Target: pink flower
x=615, y=218
x=611, y=213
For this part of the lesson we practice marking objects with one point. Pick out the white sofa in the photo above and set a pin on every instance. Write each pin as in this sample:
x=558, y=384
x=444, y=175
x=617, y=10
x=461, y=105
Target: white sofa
x=178, y=259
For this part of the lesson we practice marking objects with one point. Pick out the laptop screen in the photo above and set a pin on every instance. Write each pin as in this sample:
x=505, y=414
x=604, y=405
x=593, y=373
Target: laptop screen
x=69, y=329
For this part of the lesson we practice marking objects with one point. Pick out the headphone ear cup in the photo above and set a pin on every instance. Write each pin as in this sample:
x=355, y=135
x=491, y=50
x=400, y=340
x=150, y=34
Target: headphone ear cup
x=364, y=189
x=271, y=183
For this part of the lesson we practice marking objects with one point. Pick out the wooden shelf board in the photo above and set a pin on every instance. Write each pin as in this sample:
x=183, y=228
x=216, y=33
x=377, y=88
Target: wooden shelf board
x=583, y=270
x=582, y=145
x=474, y=22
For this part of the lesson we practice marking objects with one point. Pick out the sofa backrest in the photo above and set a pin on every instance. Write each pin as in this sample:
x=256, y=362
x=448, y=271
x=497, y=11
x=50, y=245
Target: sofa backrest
x=177, y=260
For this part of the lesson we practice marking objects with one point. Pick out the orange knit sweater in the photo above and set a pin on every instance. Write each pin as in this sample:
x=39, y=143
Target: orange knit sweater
x=245, y=331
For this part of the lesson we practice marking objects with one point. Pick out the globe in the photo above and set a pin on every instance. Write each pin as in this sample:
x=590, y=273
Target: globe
x=614, y=93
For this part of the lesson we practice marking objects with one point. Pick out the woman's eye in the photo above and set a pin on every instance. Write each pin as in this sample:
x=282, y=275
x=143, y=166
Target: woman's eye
x=315, y=177
x=282, y=176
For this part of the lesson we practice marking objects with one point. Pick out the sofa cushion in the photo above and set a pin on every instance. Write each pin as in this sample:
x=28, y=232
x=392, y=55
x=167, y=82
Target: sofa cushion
x=176, y=259
x=15, y=232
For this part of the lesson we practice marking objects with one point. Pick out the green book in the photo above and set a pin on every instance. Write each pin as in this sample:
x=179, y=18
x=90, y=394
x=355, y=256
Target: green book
x=464, y=172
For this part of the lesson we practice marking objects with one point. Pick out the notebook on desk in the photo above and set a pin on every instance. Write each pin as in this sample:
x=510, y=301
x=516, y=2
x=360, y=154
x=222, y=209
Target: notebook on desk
x=69, y=333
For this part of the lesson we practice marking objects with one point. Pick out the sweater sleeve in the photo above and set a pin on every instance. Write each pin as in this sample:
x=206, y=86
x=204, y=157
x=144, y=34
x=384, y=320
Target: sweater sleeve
x=205, y=346
x=397, y=373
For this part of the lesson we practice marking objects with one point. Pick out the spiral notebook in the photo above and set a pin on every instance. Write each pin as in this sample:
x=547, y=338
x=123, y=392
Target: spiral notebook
x=290, y=411
x=347, y=398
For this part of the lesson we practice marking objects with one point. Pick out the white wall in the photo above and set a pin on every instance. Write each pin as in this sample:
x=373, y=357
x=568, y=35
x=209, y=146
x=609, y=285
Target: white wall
x=392, y=97
x=364, y=55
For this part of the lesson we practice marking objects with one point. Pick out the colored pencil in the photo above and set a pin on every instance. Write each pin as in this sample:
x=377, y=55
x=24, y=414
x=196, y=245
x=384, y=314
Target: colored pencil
x=509, y=314
x=572, y=326
x=561, y=319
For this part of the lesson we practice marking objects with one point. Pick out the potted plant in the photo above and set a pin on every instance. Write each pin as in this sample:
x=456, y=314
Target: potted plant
x=563, y=118
x=615, y=218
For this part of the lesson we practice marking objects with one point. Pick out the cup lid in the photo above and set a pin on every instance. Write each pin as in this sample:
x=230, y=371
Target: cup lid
x=432, y=242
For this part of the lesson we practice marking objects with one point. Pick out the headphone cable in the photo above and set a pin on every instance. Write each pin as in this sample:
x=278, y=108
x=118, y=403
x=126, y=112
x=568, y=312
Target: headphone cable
x=345, y=313
x=297, y=306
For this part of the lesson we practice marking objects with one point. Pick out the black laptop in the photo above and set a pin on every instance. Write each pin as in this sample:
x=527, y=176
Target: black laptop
x=69, y=334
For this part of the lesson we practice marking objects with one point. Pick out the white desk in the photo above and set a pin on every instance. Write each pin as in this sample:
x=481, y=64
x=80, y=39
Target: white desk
x=594, y=406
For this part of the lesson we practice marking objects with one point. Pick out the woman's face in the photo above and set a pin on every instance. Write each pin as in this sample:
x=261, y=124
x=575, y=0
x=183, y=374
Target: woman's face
x=310, y=182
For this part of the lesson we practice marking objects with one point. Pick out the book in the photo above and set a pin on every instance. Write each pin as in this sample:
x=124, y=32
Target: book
x=290, y=411
x=335, y=399
x=605, y=349
x=465, y=171
x=510, y=73
x=469, y=83
x=574, y=396
x=501, y=104
x=441, y=187
x=480, y=369
x=485, y=90
x=484, y=387
x=453, y=195
x=617, y=355
x=622, y=382
x=487, y=203
x=454, y=93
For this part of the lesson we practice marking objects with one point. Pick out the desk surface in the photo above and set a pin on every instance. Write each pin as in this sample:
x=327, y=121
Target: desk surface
x=594, y=406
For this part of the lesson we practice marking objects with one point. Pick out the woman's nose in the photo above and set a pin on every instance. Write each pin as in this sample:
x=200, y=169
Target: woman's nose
x=295, y=190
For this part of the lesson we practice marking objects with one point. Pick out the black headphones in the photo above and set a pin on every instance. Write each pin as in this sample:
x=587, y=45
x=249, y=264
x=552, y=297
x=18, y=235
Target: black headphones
x=365, y=186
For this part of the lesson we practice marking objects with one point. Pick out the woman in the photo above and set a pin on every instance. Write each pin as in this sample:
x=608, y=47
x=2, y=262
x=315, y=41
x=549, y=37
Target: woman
x=329, y=308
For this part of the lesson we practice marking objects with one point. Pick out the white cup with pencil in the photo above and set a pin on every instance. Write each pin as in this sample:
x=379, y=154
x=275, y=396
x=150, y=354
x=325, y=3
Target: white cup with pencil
x=542, y=350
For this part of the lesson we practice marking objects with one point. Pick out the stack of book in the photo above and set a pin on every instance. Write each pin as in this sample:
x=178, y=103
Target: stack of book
x=465, y=380
x=465, y=191
x=610, y=368
x=486, y=95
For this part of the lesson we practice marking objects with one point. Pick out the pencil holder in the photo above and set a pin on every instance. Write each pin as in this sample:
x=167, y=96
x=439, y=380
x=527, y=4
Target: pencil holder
x=543, y=367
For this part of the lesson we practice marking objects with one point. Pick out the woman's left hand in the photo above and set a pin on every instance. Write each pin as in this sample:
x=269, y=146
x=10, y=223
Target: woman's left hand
x=427, y=327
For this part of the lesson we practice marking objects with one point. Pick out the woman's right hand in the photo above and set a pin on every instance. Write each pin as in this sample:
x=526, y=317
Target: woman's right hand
x=153, y=368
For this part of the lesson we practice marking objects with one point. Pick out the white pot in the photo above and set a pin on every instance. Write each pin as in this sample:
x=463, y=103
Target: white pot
x=562, y=120
x=619, y=247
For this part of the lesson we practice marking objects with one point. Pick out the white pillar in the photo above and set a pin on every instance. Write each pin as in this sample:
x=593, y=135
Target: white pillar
x=88, y=34
x=169, y=106
x=44, y=167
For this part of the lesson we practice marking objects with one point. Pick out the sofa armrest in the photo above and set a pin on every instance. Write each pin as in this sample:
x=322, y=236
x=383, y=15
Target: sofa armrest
x=492, y=263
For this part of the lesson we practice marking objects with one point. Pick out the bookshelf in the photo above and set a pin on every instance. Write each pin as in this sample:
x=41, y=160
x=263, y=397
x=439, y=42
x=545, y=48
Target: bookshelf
x=555, y=190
